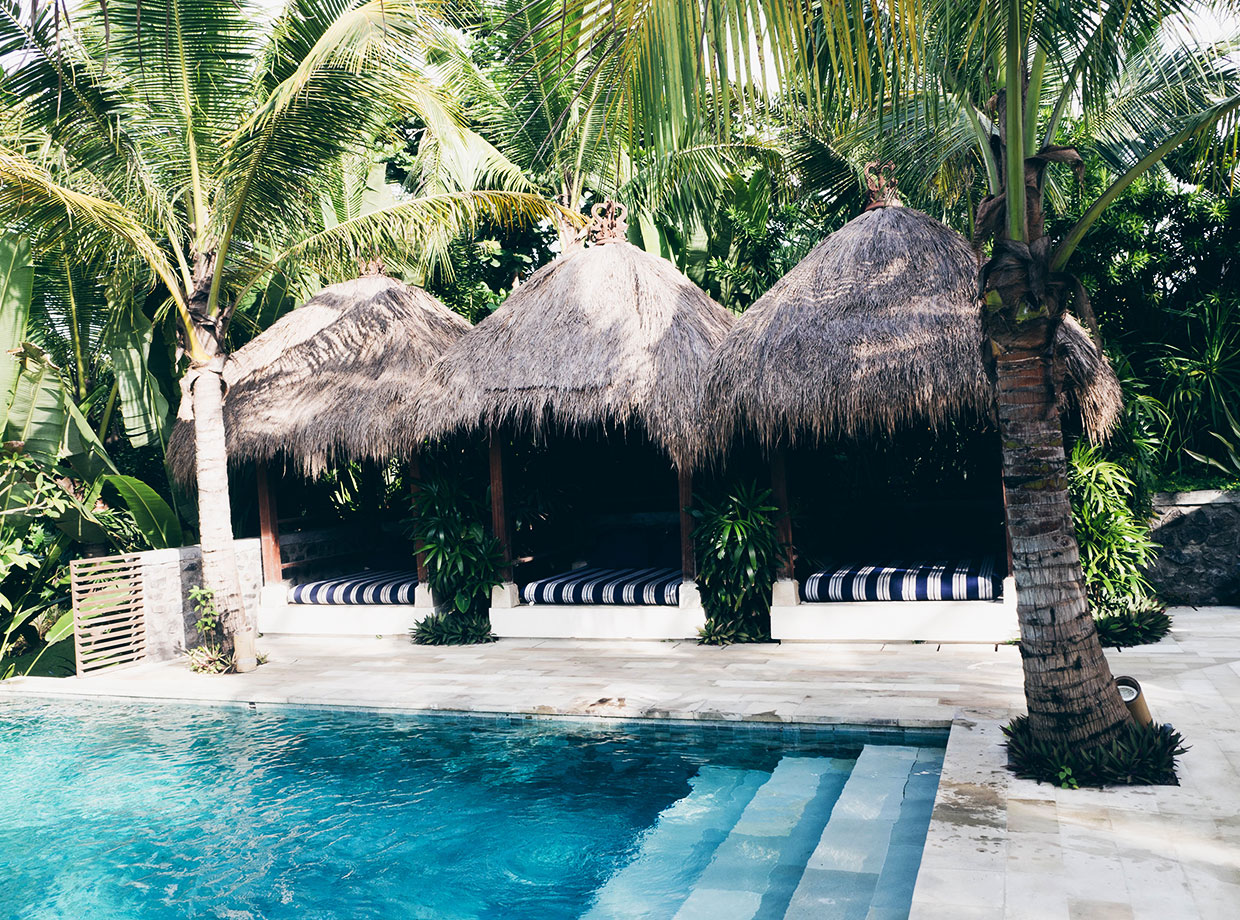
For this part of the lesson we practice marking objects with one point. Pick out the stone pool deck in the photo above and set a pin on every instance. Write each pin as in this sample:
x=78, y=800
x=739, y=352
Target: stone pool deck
x=998, y=847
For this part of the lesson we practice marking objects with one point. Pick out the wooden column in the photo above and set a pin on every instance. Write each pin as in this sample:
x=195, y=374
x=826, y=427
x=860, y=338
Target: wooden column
x=779, y=492
x=500, y=525
x=688, y=559
x=415, y=485
x=268, y=529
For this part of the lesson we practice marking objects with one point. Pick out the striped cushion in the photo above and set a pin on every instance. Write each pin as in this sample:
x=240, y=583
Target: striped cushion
x=607, y=586
x=366, y=588
x=967, y=580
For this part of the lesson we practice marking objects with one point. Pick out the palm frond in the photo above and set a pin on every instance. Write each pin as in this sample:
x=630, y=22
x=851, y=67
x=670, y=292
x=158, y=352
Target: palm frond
x=57, y=217
x=334, y=75
x=412, y=236
x=56, y=86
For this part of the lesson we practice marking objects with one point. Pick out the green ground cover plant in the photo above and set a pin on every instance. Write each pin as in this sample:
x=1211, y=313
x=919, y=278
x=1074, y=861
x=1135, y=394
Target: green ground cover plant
x=1140, y=755
x=211, y=655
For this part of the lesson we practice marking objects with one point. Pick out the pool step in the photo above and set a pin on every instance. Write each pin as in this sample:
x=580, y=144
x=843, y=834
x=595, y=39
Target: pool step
x=674, y=851
x=867, y=857
x=755, y=870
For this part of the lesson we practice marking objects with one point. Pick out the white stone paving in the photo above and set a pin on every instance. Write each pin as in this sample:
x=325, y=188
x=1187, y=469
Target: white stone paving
x=998, y=847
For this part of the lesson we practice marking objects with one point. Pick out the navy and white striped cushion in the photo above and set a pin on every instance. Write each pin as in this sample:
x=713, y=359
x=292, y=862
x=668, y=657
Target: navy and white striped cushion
x=966, y=580
x=632, y=587
x=366, y=588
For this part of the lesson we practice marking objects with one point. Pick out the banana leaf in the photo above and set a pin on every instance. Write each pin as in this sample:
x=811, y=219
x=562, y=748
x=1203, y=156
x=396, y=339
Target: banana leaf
x=16, y=284
x=154, y=518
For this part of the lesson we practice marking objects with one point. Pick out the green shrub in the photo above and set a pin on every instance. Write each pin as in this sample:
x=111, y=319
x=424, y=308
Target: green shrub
x=211, y=658
x=1143, y=755
x=739, y=555
x=1125, y=622
x=1115, y=543
x=453, y=628
x=1116, y=551
x=463, y=561
x=212, y=655
x=1229, y=465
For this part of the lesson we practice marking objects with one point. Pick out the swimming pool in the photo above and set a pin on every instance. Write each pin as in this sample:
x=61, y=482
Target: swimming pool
x=119, y=812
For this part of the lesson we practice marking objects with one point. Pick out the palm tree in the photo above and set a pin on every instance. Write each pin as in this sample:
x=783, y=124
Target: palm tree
x=558, y=107
x=1139, y=96
x=991, y=81
x=191, y=145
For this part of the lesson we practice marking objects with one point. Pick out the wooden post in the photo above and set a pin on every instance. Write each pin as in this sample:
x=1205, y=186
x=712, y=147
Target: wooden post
x=779, y=492
x=500, y=525
x=268, y=529
x=415, y=485
x=688, y=559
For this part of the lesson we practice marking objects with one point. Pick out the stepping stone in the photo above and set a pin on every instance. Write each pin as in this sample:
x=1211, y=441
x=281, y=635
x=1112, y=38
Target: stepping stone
x=842, y=876
x=764, y=851
x=675, y=850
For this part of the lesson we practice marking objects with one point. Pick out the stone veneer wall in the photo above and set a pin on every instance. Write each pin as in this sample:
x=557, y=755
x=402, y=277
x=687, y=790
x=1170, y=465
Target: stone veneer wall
x=167, y=576
x=1199, y=562
x=329, y=544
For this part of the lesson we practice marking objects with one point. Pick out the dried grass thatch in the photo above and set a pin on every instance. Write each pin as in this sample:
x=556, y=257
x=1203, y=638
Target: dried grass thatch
x=330, y=381
x=879, y=327
x=609, y=336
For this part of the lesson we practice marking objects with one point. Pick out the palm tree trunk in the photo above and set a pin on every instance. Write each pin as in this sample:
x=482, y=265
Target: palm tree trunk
x=219, y=560
x=1069, y=689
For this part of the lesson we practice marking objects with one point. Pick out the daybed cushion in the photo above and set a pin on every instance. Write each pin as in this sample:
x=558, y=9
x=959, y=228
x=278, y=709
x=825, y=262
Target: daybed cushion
x=966, y=580
x=659, y=587
x=387, y=587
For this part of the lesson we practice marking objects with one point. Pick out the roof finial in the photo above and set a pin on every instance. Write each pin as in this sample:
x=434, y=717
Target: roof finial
x=371, y=266
x=607, y=224
x=880, y=179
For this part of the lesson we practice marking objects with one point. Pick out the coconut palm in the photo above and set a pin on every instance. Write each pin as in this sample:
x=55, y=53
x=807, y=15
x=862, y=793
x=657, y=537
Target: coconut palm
x=561, y=113
x=991, y=82
x=194, y=144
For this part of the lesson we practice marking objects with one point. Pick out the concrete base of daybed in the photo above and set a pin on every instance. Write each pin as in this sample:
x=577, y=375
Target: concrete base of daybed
x=513, y=620
x=277, y=616
x=894, y=621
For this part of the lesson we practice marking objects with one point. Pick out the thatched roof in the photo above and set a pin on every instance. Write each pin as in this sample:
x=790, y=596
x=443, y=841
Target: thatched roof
x=329, y=381
x=879, y=327
x=607, y=336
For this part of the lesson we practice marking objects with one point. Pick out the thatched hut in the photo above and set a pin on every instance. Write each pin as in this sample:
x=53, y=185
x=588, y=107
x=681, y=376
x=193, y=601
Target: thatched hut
x=878, y=328
x=876, y=337
x=606, y=339
x=328, y=384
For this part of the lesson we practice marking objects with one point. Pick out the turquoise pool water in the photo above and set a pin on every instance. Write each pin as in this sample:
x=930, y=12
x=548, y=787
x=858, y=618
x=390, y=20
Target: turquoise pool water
x=121, y=812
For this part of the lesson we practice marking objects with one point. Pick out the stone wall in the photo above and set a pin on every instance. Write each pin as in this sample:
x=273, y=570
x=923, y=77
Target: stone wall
x=167, y=576
x=320, y=552
x=1199, y=562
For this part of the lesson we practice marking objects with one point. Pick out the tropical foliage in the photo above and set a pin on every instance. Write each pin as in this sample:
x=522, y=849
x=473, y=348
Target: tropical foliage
x=738, y=556
x=183, y=174
x=1141, y=755
x=61, y=493
x=1113, y=534
x=463, y=560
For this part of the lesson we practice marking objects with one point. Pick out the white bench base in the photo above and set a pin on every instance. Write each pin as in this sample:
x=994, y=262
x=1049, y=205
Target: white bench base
x=899, y=621
x=340, y=619
x=587, y=621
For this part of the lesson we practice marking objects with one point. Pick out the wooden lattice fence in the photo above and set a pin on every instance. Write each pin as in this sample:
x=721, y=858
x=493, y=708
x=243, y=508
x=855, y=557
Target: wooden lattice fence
x=109, y=627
